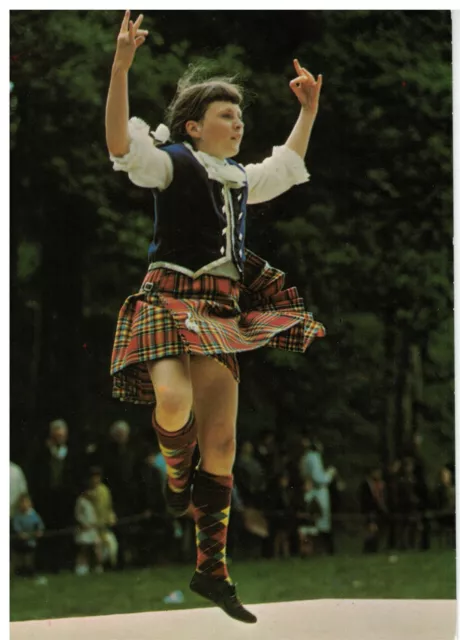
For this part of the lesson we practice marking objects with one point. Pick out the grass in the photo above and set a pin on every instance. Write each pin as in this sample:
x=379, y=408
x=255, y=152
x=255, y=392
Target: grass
x=415, y=575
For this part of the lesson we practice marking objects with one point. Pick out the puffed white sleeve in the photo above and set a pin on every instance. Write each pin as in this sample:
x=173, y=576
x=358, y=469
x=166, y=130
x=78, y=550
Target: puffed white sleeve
x=146, y=165
x=275, y=175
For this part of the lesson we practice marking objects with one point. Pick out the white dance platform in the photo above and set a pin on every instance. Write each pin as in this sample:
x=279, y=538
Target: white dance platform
x=305, y=620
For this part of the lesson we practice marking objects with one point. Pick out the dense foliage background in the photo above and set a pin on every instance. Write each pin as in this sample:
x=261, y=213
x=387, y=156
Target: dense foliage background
x=368, y=241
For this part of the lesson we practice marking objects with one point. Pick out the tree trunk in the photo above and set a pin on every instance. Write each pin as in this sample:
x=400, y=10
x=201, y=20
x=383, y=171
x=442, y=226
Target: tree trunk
x=407, y=397
x=417, y=370
x=403, y=423
x=20, y=326
x=390, y=376
x=61, y=346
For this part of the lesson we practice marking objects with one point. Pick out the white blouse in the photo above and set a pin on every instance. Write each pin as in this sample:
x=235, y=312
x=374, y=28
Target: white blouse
x=150, y=167
x=85, y=515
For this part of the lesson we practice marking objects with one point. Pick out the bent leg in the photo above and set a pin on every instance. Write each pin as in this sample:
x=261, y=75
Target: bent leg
x=173, y=390
x=175, y=426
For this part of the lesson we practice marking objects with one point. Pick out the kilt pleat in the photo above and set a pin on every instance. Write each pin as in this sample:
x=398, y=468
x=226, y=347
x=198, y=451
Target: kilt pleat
x=174, y=314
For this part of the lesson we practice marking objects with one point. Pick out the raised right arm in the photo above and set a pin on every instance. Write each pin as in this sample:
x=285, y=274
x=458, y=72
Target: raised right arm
x=129, y=40
x=129, y=142
x=117, y=113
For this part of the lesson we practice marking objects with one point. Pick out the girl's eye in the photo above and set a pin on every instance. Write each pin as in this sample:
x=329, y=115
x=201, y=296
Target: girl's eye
x=230, y=116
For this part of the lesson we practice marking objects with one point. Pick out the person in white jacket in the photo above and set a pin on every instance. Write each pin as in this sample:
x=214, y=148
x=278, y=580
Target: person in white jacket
x=312, y=466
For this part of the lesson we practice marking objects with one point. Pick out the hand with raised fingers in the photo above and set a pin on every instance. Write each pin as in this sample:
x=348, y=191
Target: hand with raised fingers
x=306, y=88
x=129, y=40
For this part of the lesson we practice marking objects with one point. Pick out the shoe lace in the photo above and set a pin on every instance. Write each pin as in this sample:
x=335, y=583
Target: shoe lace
x=233, y=597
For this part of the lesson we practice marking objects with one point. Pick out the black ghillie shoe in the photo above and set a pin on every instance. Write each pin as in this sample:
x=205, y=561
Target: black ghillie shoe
x=223, y=594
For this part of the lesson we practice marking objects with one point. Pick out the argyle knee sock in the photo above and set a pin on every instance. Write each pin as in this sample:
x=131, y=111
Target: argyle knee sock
x=177, y=448
x=211, y=498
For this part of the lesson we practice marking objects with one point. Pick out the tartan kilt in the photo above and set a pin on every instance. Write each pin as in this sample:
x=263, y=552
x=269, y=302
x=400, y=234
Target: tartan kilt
x=174, y=314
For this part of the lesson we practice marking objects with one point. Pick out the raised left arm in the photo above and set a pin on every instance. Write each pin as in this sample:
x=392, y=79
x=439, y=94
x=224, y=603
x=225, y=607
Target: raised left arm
x=307, y=90
x=286, y=167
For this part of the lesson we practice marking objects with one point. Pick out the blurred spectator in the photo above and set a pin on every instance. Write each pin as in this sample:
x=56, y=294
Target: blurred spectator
x=249, y=476
x=236, y=524
x=336, y=492
x=311, y=466
x=87, y=536
x=391, y=478
x=159, y=463
x=291, y=456
x=414, y=451
x=18, y=486
x=309, y=510
x=53, y=479
x=409, y=504
x=101, y=498
x=444, y=503
x=250, y=526
x=268, y=455
x=156, y=532
x=374, y=507
x=282, y=519
x=27, y=527
x=150, y=496
x=119, y=466
x=451, y=467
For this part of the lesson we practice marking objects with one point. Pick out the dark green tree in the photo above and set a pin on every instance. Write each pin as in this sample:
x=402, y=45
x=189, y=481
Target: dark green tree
x=368, y=241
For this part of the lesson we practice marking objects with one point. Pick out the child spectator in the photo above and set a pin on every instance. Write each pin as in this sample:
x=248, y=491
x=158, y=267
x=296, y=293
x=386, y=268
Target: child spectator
x=101, y=498
x=87, y=536
x=28, y=527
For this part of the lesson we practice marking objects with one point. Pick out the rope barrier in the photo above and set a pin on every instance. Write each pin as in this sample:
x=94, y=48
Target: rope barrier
x=351, y=518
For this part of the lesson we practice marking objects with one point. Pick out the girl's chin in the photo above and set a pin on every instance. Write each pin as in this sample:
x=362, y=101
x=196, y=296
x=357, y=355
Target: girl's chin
x=233, y=150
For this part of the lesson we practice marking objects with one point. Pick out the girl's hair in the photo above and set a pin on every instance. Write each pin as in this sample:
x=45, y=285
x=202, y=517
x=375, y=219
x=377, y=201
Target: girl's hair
x=194, y=95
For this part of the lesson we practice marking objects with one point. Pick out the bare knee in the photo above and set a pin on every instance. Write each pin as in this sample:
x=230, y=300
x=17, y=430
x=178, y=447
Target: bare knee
x=173, y=391
x=173, y=400
x=218, y=447
x=173, y=405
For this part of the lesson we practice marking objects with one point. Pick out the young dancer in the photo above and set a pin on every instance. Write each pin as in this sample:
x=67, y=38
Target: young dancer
x=205, y=297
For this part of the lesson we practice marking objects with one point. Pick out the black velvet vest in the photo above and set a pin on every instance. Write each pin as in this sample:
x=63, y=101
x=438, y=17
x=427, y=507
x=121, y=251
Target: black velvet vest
x=198, y=223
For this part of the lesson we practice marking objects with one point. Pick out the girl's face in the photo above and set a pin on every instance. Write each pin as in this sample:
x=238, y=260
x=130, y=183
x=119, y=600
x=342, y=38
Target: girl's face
x=220, y=132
